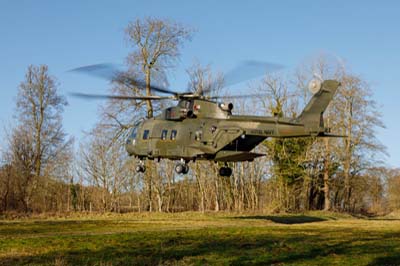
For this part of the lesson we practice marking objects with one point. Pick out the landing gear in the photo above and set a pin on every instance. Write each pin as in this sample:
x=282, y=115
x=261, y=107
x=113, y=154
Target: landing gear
x=140, y=168
x=225, y=171
x=181, y=167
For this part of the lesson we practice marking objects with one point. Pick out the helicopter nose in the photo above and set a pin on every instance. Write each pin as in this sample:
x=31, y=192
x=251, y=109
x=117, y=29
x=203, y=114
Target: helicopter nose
x=130, y=145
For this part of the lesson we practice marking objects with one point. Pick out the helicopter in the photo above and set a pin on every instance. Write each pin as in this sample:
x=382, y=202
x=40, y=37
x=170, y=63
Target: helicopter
x=201, y=128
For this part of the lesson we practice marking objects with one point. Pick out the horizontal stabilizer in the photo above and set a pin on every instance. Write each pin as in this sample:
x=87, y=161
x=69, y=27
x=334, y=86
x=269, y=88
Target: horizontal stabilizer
x=328, y=135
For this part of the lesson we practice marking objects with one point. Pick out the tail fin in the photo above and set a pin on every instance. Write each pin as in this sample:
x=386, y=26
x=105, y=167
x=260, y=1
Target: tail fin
x=312, y=115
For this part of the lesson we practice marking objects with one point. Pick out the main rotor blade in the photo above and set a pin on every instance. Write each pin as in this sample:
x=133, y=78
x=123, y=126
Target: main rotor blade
x=237, y=96
x=112, y=73
x=128, y=80
x=246, y=70
x=249, y=69
x=104, y=70
x=119, y=97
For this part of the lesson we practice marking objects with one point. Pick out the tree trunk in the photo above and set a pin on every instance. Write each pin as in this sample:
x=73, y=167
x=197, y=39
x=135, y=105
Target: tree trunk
x=159, y=199
x=327, y=200
x=201, y=190
x=148, y=93
x=148, y=178
x=216, y=194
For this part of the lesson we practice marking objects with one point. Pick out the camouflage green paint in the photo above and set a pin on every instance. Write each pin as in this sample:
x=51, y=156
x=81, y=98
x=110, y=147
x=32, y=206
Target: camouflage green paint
x=207, y=130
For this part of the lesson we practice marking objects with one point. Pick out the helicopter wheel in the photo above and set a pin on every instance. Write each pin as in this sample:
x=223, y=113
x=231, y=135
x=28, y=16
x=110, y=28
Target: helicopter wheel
x=181, y=168
x=225, y=171
x=140, y=168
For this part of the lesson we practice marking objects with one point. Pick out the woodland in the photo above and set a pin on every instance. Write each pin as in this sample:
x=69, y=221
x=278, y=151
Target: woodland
x=44, y=170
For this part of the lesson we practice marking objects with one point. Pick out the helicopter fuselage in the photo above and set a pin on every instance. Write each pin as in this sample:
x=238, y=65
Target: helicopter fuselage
x=201, y=129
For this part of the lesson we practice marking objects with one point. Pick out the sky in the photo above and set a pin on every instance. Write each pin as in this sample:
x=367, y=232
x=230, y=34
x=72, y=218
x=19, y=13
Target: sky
x=69, y=34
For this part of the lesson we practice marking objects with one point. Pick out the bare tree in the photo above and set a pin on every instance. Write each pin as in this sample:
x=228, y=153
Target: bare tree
x=156, y=47
x=393, y=190
x=38, y=149
x=39, y=108
x=356, y=117
x=106, y=167
x=353, y=113
x=157, y=44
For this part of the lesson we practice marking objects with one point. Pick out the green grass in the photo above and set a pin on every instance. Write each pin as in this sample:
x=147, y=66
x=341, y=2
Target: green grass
x=201, y=239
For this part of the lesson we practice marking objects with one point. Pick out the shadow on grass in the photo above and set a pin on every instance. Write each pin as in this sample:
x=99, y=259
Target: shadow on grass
x=171, y=248
x=214, y=247
x=298, y=219
x=384, y=219
x=42, y=226
x=386, y=260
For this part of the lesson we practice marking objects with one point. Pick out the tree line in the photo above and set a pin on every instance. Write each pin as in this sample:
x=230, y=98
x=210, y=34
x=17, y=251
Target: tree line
x=41, y=171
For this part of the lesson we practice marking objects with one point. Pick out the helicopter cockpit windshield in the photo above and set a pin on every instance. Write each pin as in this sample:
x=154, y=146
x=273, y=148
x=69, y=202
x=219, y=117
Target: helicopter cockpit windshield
x=132, y=136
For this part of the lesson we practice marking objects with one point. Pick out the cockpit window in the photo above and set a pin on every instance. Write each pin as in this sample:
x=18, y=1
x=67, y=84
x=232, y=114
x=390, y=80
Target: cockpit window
x=133, y=133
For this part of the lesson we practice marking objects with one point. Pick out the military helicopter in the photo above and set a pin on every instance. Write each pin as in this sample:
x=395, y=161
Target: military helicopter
x=200, y=128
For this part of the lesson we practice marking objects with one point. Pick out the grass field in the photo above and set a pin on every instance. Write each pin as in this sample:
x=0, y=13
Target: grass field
x=201, y=239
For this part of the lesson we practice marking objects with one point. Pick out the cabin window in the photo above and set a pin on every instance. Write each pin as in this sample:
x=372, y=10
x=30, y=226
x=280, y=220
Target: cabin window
x=146, y=134
x=173, y=134
x=164, y=134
